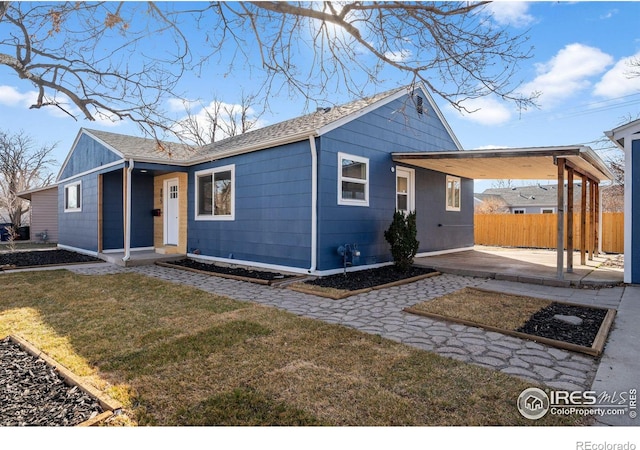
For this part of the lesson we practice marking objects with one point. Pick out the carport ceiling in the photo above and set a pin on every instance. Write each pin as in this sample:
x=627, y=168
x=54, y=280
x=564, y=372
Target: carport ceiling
x=517, y=164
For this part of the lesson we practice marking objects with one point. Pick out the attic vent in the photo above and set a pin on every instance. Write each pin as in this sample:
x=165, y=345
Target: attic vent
x=419, y=107
x=324, y=109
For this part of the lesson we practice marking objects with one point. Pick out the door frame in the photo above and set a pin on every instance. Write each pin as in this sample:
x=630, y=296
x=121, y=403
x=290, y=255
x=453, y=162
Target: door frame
x=165, y=221
x=411, y=186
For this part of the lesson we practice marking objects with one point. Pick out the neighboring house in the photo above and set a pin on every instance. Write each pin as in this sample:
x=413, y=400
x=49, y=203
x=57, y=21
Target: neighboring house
x=541, y=199
x=285, y=196
x=627, y=138
x=43, y=212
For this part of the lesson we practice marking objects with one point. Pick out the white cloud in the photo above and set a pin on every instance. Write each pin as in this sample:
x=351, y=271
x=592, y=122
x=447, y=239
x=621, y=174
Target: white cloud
x=568, y=72
x=511, y=13
x=621, y=79
x=399, y=56
x=486, y=111
x=10, y=96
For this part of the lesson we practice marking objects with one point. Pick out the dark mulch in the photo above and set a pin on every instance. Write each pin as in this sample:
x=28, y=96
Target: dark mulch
x=32, y=393
x=237, y=271
x=543, y=324
x=43, y=258
x=368, y=278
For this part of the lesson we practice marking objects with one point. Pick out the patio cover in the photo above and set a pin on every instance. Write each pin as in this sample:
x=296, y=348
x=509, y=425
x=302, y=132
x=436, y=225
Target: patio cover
x=534, y=163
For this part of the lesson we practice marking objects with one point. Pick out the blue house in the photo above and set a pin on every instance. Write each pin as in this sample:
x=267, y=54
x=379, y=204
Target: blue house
x=627, y=138
x=284, y=197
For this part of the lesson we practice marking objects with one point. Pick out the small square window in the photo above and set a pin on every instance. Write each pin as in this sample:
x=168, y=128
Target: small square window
x=453, y=193
x=73, y=197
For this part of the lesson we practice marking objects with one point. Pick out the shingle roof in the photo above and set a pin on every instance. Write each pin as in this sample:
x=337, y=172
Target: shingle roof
x=137, y=147
x=142, y=148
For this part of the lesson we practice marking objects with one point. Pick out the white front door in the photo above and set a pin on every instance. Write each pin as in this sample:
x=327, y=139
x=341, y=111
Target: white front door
x=171, y=216
x=405, y=189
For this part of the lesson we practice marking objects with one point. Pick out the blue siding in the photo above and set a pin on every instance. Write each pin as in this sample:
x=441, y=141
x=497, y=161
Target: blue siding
x=112, y=211
x=80, y=229
x=395, y=127
x=635, y=206
x=87, y=155
x=272, y=209
x=141, y=206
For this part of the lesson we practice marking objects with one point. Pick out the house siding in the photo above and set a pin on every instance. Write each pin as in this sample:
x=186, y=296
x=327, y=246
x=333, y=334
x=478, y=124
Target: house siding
x=87, y=155
x=141, y=207
x=44, y=214
x=635, y=206
x=272, y=209
x=80, y=229
x=112, y=211
x=395, y=127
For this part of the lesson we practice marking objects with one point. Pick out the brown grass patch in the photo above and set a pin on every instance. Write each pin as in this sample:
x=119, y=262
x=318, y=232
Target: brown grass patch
x=175, y=355
x=505, y=311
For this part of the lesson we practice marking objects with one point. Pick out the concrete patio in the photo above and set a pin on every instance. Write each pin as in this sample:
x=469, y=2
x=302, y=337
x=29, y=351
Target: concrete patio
x=535, y=266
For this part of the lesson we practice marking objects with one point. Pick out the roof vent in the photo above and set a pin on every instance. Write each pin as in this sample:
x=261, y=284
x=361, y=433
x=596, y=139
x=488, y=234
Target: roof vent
x=419, y=105
x=323, y=109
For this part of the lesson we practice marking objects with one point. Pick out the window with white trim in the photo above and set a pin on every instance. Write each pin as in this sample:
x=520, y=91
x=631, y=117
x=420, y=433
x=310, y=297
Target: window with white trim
x=215, y=193
x=353, y=180
x=453, y=193
x=547, y=210
x=73, y=197
x=518, y=211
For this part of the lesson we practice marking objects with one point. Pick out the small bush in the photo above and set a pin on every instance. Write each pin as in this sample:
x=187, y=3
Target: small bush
x=401, y=235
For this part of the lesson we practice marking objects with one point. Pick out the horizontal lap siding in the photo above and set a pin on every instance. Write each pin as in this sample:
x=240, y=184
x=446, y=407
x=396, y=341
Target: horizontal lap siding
x=87, y=155
x=395, y=127
x=635, y=206
x=272, y=209
x=112, y=211
x=80, y=229
x=44, y=214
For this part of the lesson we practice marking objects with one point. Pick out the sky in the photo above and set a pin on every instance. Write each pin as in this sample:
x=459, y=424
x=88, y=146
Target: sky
x=579, y=64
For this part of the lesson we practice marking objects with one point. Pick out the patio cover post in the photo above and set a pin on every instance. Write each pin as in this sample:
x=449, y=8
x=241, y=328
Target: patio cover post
x=569, y=219
x=560, y=226
x=592, y=218
x=583, y=221
x=596, y=223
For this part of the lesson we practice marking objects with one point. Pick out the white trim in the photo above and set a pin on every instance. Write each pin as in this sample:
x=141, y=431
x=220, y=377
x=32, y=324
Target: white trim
x=87, y=172
x=547, y=208
x=353, y=202
x=454, y=179
x=78, y=250
x=242, y=262
x=314, y=203
x=518, y=211
x=78, y=200
x=212, y=172
x=133, y=249
x=628, y=212
x=411, y=188
x=127, y=213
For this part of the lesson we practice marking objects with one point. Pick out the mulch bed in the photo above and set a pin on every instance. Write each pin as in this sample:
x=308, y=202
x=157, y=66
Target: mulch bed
x=226, y=270
x=33, y=394
x=43, y=258
x=368, y=278
x=543, y=324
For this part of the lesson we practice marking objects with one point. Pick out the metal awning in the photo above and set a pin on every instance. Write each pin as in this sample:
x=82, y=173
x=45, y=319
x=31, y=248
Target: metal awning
x=534, y=163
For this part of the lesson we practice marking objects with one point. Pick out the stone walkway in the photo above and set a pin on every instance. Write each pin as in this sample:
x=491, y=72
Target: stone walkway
x=380, y=312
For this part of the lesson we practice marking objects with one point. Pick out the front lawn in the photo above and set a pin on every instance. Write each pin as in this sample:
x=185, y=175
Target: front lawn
x=174, y=355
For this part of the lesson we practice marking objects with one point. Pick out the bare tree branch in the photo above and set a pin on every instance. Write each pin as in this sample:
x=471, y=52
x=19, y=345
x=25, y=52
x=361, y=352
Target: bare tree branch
x=78, y=55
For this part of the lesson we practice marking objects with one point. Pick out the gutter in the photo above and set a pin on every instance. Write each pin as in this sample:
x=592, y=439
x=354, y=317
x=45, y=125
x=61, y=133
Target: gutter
x=127, y=215
x=314, y=203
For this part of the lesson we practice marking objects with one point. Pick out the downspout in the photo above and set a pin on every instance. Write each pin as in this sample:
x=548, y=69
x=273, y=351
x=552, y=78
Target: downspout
x=127, y=216
x=314, y=203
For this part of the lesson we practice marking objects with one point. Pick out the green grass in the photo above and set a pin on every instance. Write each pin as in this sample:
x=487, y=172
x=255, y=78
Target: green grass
x=175, y=356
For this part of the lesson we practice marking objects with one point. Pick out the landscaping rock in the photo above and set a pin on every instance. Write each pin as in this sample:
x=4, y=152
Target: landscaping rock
x=571, y=320
x=32, y=393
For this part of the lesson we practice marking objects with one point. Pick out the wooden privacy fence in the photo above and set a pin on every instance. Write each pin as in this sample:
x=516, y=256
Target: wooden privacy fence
x=540, y=230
